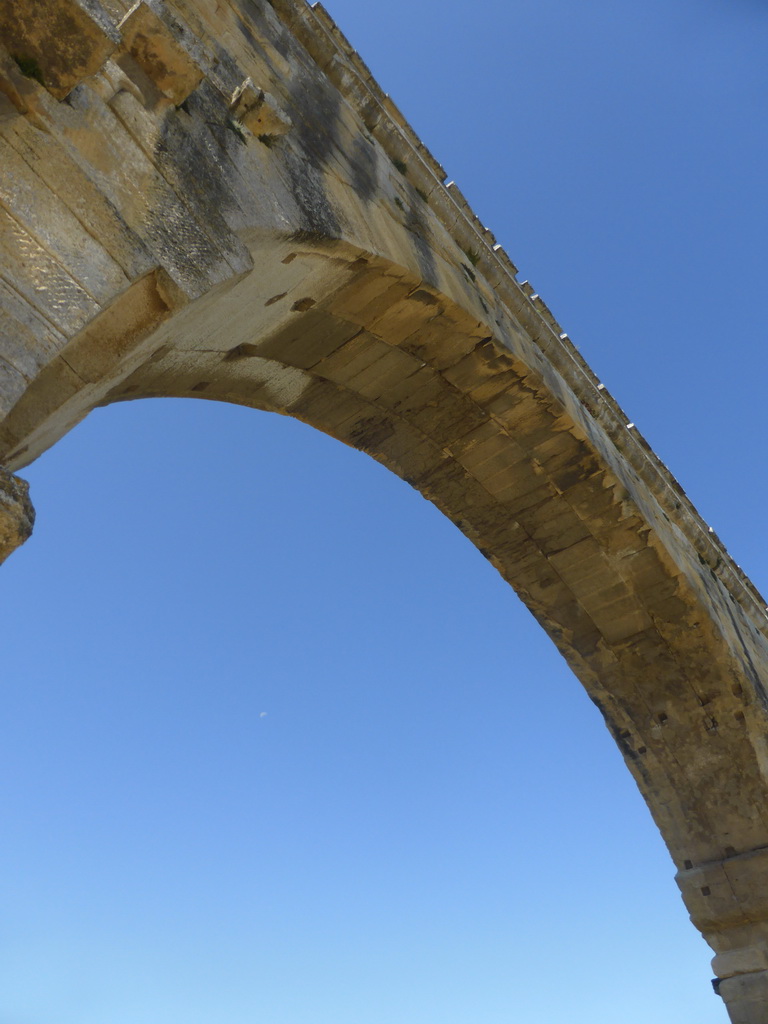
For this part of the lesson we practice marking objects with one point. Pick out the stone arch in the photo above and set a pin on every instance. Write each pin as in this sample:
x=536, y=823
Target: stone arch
x=365, y=351
x=292, y=247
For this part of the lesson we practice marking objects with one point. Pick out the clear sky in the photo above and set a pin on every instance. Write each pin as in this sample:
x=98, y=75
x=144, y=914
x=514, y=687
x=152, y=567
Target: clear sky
x=278, y=746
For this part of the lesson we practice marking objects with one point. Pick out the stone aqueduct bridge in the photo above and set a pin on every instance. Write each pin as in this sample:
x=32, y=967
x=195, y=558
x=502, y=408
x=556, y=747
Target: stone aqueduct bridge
x=214, y=199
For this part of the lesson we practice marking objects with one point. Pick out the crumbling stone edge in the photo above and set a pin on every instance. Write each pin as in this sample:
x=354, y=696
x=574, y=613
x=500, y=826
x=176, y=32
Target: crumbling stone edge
x=17, y=514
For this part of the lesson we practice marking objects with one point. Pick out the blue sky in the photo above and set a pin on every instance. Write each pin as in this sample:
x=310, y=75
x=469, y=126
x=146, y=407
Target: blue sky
x=278, y=745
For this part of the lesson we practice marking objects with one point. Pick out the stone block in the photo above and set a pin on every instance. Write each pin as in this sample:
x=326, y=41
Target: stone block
x=160, y=47
x=726, y=893
x=58, y=43
x=259, y=111
x=746, y=997
x=740, y=961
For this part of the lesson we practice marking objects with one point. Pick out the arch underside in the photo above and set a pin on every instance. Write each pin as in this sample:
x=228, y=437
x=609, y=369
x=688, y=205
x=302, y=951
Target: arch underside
x=157, y=247
x=369, y=353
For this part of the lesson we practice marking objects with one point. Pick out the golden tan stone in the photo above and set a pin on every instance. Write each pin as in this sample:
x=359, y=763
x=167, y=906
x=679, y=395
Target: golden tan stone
x=59, y=43
x=17, y=516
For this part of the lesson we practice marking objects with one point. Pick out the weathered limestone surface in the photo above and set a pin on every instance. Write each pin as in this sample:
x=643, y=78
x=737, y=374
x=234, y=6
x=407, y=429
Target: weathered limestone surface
x=214, y=199
x=17, y=517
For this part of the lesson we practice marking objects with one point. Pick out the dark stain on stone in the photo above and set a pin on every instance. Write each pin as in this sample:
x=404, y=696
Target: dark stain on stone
x=245, y=32
x=362, y=164
x=275, y=298
x=370, y=433
x=425, y=257
x=317, y=214
x=193, y=151
x=253, y=14
x=315, y=107
x=282, y=40
x=196, y=233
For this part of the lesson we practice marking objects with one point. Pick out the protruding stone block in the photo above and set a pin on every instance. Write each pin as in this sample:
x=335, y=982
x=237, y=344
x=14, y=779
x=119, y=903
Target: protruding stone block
x=259, y=111
x=17, y=516
x=158, y=45
x=58, y=43
x=740, y=961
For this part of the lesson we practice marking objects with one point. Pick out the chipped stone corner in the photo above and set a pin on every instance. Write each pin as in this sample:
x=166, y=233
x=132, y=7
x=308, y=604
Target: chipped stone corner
x=17, y=516
x=259, y=111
